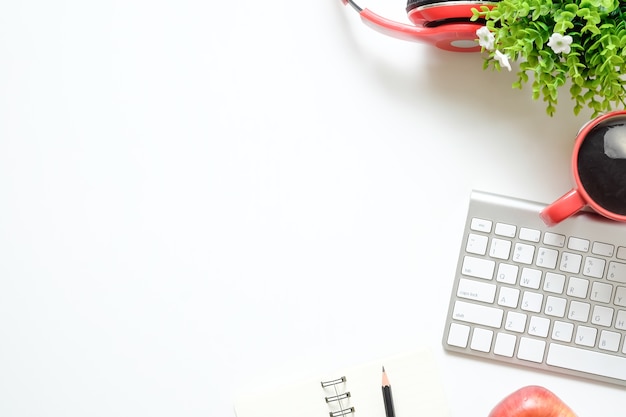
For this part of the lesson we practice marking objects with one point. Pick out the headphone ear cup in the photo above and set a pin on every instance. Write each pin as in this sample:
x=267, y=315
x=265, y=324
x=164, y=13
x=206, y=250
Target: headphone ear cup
x=412, y=4
x=430, y=13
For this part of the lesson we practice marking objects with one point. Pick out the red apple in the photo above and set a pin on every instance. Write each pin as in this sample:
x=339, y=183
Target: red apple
x=532, y=401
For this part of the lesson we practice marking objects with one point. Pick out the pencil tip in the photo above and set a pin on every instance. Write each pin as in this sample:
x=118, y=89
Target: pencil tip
x=385, y=378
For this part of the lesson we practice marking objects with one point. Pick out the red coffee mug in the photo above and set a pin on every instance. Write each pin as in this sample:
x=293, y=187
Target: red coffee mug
x=599, y=169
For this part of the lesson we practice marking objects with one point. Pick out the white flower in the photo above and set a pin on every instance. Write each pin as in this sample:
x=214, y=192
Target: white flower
x=560, y=43
x=503, y=60
x=485, y=38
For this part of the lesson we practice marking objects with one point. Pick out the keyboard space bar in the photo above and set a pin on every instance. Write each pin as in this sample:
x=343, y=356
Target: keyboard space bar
x=596, y=363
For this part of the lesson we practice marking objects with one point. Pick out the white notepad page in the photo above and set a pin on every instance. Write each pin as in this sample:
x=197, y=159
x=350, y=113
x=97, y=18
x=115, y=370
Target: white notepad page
x=415, y=382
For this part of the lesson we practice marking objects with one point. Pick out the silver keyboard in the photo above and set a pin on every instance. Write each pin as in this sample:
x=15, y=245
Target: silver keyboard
x=551, y=298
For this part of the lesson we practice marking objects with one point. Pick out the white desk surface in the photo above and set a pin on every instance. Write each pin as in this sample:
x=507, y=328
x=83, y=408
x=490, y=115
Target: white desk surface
x=194, y=195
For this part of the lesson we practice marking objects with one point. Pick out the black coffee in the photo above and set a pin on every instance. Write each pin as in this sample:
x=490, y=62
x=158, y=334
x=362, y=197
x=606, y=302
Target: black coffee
x=602, y=164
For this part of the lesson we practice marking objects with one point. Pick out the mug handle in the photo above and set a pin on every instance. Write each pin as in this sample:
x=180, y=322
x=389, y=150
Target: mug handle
x=568, y=204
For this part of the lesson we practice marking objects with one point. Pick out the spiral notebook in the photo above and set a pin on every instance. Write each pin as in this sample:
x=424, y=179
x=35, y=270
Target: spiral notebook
x=356, y=391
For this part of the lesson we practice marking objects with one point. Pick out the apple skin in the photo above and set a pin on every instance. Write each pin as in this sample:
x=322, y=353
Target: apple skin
x=532, y=401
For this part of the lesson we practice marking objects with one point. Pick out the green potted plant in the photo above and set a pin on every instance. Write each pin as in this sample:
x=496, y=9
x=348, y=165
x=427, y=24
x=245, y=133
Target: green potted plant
x=579, y=46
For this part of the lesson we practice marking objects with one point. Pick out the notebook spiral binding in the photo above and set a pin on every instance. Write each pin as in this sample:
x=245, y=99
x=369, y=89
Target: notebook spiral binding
x=337, y=398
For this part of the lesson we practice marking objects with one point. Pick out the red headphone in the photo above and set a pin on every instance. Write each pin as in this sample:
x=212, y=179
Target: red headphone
x=443, y=23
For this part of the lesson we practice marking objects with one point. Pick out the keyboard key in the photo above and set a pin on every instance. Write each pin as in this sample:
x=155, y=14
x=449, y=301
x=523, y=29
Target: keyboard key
x=481, y=225
x=555, y=306
x=524, y=253
x=581, y=245
x=531, y=301
x=578, y=311
x=530, y=235
x=594, y=267
x=585, y=336
x=621, y=253
x=477, y=267
x=458, y=335
x=554, y=283
x=538, y=326
x=602, y=316
x=588, y=361
x=531, y=349
x=562, y=331
x=609, y=340
x=617, y=272
x=570, y=262
x=508, y=297
x=530, y=278
x=620, y=320
x=478, y=314
x=620, y=296
x=500, y=248
x=475, y=290
x=577, y=287
x=477, y=244
x=506, y=230
x=554, y=239
x=507, y=273
x=602, y=249
x=481, y=340
x=601, y=292
x=505, y=344
x=547, y=258
x=515, y=322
